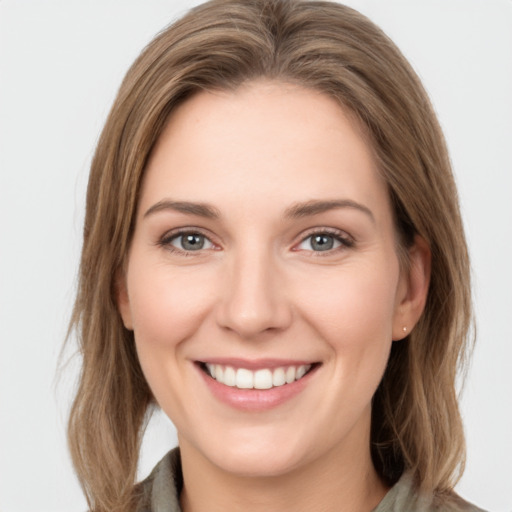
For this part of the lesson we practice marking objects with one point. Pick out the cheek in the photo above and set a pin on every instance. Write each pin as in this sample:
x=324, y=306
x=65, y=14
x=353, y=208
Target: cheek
x=353, y=299
x=352, y=311
x=166, y=306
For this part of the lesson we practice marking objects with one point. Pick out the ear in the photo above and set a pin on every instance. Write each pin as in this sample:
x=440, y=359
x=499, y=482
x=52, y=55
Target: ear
x=413, y=289
x=122, y=299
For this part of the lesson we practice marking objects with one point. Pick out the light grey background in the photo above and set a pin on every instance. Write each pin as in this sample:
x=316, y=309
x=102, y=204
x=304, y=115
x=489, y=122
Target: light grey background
x=61, y=63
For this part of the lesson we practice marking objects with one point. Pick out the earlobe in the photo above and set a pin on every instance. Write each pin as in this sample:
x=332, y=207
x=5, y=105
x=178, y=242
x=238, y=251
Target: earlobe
x=414, y=293
x=123, y=301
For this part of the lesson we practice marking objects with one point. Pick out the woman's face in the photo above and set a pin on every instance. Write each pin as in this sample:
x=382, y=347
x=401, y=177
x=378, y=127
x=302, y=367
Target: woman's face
x=262, y=284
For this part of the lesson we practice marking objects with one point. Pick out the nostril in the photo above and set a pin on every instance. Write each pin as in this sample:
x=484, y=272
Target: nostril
x=253, y=316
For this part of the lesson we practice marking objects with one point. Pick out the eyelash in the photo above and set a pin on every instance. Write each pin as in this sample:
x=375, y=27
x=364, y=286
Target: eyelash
x=345, y=241
x=168, y=238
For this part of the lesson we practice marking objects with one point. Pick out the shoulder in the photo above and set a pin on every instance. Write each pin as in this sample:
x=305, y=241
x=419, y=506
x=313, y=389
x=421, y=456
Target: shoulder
x=403, y=497
x=458, y=504
x=161, y=489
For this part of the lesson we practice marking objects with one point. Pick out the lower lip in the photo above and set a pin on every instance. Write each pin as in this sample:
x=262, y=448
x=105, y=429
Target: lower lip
x=255, y=399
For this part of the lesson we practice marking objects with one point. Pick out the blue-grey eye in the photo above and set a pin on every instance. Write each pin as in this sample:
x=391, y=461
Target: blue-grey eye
x=320, y=242
x=191, y=242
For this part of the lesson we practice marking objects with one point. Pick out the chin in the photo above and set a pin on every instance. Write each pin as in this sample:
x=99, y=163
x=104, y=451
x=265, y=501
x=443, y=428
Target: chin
x=258, y=456
x=258, y=465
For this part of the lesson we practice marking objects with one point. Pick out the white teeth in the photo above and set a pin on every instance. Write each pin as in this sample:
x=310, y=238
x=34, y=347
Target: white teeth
x=229, y=376
x=301, y=371
x=264, y=378
x=278, y=377
x=211, y=369
x=244, y=379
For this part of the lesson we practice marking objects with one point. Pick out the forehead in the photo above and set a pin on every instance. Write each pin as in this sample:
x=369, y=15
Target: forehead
x=265, y=140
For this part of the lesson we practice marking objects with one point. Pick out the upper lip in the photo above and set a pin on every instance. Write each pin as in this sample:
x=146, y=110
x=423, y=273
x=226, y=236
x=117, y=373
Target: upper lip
x=255, y=364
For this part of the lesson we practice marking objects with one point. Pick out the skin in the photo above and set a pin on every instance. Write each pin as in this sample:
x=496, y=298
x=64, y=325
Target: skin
x=259, y=289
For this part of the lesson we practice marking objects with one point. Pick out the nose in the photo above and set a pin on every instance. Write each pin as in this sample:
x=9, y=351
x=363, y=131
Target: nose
x=253, y=296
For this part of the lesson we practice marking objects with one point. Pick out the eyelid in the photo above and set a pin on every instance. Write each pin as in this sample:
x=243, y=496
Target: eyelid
x=166, y=239
x=343, y=237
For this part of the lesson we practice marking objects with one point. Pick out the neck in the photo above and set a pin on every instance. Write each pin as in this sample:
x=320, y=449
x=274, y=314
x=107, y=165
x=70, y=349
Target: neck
x=342, y=480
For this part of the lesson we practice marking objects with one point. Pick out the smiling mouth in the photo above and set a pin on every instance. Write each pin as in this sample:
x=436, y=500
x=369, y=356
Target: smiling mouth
x=264, y=378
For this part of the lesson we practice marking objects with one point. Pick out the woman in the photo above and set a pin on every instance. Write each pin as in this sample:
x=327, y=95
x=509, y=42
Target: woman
x=273, y=254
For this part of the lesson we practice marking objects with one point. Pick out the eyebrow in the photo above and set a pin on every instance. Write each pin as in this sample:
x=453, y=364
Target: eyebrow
x=296, y=211
x=199, y=209
x=314, y=207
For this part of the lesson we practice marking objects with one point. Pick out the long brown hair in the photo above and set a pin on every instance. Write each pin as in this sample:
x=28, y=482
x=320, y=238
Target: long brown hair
x=327, y=47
